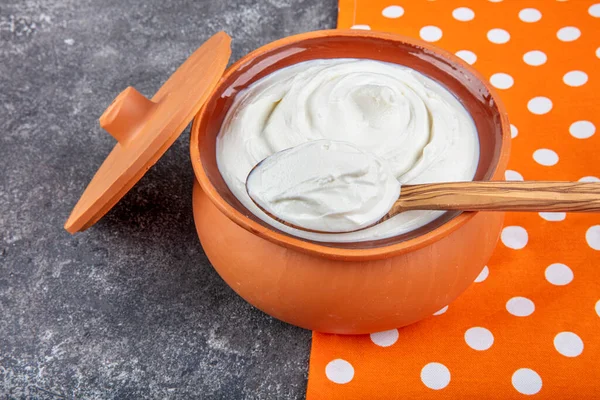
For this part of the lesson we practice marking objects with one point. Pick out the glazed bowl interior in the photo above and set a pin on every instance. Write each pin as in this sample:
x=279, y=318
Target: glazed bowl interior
x=449, y=71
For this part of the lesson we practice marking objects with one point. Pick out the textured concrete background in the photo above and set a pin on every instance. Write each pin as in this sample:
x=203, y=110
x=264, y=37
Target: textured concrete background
x=130, y=308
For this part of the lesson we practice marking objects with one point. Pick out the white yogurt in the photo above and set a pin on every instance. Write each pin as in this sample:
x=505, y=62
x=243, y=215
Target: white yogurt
x=414, y=124
x=324, y=186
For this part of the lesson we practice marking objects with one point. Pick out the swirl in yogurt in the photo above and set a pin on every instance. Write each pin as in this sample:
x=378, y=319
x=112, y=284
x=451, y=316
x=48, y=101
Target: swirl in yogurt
x=412, y=123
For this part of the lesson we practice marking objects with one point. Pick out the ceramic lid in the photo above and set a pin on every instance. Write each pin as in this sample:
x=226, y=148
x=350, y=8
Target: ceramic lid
x=145, y=129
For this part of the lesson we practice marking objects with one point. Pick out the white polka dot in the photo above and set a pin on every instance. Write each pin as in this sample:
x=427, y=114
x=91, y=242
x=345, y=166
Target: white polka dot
x=498, y=36
x=514, y=237
x=393, y=12
x=582, y=129
x=511, y=175
x=520, y=306
x=467, y=55
x=385, y=338
x=597, y=308
x=598, y=52
x=568, y=344
x=495, y=1
x=483, y=275
x=559, y=274
x=361, y=27
x=545, y=157
x=594, y=10
x=514, y=132
x=553, y=216
x=575, y=78
x=435, y=376
x=441, y=310
x=339, y=371
x=589, y=179
x=592, y=236
x=535, y=58
x=430, y=33
x=479, y=338
x=526, y=381
x=530, y=15
x=539, y=105
x=502, y=80
x=568, y=34
x=463, y=14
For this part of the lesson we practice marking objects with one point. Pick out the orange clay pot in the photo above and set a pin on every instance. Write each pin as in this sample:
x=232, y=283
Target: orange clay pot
x=358, y=287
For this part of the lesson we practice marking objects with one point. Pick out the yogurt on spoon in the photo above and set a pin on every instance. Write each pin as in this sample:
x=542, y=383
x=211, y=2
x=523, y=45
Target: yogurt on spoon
x=324, y=186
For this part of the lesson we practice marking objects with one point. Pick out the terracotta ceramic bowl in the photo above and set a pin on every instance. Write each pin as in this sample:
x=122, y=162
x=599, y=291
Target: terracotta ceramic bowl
x=357, y=287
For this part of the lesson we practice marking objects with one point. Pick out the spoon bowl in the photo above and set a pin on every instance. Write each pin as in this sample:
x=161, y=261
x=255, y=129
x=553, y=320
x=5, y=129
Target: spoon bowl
x=324, y=185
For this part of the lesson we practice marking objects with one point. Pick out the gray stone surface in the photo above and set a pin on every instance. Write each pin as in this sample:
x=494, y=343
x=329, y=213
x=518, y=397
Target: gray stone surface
x=130, y=308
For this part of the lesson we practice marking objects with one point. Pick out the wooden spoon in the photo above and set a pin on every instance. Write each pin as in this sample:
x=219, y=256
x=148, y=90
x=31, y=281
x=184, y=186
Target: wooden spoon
x=491, y=196
x=500, y=196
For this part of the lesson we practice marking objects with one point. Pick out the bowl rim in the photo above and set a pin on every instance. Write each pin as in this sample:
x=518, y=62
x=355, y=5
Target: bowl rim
x=316, y=248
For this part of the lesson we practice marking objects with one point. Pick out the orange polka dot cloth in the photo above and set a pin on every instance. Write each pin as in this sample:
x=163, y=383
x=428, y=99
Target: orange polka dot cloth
x=530, y=323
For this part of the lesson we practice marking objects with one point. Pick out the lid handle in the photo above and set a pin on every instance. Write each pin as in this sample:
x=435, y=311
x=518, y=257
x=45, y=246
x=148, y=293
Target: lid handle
x=127, y=113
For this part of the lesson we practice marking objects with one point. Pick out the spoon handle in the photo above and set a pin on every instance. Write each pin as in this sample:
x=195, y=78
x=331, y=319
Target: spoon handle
x=500, y=196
